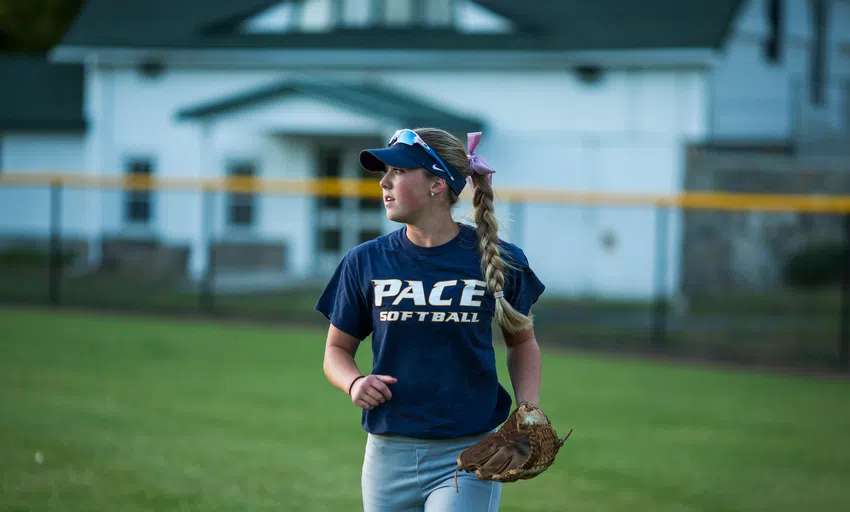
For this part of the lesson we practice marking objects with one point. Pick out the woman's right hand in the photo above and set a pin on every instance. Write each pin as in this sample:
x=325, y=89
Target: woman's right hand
x=371, y=391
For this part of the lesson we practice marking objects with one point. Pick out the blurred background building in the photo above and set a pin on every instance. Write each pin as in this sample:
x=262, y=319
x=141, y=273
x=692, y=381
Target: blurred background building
x=652, y=97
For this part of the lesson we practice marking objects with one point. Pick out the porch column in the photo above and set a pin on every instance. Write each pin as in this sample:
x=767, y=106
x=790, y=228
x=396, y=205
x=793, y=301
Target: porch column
x=98, y=144
x=204, y=232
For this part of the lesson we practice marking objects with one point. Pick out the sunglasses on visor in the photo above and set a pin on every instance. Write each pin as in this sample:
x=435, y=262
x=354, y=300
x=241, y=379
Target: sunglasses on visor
x=410, y=138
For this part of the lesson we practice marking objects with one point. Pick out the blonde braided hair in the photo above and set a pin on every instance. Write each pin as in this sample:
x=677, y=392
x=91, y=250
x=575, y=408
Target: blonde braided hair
x=493, y=262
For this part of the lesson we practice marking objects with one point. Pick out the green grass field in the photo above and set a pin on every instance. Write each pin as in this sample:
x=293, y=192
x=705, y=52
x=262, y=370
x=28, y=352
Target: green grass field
x=135, y=414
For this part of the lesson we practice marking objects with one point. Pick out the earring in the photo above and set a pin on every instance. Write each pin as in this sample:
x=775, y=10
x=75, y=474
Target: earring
x=432, y=193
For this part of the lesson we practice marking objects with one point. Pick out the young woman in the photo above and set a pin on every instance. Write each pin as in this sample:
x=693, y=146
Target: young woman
x=428, y=293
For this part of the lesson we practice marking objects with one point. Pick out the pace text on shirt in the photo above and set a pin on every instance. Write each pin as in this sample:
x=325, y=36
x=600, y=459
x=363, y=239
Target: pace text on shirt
x=461, y=296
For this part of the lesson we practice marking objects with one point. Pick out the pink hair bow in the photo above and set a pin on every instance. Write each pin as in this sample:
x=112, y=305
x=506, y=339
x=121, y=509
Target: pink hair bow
x=477, y=164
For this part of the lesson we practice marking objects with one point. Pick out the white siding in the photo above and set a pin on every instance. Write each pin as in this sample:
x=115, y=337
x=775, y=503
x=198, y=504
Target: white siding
x=42, y=152
x=279, y=218
x=25, y=211
x=753, y=98
x=551, y=131
x=141, y=113
x=544, y=130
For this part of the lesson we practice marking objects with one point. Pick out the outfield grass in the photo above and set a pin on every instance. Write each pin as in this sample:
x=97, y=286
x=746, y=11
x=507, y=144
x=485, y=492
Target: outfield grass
x=143, y=414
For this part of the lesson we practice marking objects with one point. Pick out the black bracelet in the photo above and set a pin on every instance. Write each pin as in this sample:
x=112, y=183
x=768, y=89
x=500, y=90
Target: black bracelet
x=352, y=384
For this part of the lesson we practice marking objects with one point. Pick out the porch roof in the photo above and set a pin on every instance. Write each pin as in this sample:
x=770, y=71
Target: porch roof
x=562, y=25
x=369, y=99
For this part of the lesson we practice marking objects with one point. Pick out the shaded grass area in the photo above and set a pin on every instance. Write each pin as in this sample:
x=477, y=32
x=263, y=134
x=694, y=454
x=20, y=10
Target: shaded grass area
x=136, y=414
x=28, y=284
x=784, y=328
x=125, y=291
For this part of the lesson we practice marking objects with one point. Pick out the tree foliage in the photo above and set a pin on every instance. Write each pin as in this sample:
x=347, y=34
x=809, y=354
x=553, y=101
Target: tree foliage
x=34, y=26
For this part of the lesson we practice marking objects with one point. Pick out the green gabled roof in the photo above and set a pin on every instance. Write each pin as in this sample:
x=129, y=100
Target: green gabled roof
x=38, y=95
x=368, y=99
x=557, y=25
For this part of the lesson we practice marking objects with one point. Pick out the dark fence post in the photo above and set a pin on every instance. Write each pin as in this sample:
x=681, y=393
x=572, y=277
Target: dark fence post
x=207, y=294
x=55, y=258
x=659, y=310
x=844, y=331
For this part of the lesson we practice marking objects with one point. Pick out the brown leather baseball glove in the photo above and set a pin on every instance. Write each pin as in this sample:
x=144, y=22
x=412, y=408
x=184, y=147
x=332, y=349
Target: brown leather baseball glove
x=524, y=447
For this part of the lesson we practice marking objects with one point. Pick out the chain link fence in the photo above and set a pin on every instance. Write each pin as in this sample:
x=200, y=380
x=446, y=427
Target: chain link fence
x=748, y=278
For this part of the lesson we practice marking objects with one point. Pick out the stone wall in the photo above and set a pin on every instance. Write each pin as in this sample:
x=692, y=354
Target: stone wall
x=743, y=251
x=249, y=255
x=148, y=257
x=151, y=257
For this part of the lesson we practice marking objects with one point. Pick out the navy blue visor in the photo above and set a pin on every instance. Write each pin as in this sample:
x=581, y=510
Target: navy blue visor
x=407, y=150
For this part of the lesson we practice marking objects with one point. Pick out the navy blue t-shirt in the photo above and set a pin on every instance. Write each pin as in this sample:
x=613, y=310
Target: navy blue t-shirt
x=430, y=315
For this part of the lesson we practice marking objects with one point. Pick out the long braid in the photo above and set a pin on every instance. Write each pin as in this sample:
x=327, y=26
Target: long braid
x=492, y=263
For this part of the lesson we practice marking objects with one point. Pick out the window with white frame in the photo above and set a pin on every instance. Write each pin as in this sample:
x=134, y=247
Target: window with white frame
x=138, y=202
x=288, y=16
x=241, y=206
x=398, y=13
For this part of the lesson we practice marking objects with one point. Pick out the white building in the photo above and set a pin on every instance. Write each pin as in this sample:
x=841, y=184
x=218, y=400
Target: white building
x=584, y=96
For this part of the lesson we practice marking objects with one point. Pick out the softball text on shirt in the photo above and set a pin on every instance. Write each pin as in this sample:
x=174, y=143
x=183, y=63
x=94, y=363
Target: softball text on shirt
x=401, y=292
